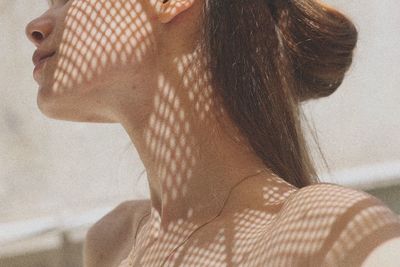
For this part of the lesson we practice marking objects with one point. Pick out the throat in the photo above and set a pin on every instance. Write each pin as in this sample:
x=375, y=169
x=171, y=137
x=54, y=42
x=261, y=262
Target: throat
x=252, y=191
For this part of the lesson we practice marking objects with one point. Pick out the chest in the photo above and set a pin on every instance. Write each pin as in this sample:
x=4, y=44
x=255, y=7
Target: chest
x=301, y=233
x=298, y=233
x=251, y=238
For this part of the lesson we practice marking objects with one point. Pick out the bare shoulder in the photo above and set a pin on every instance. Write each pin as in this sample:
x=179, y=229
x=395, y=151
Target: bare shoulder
x=327, y=190
x=110, y=239
x=340, y=203
x=337, y=199
x=330, y=199
x=341, y=226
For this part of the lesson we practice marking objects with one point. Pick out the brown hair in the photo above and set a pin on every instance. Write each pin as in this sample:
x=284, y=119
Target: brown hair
x=265, y=58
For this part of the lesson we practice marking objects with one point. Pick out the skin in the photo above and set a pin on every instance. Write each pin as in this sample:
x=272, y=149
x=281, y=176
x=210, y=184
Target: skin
x=141, y=65
x=163, y=103
x=155, y=87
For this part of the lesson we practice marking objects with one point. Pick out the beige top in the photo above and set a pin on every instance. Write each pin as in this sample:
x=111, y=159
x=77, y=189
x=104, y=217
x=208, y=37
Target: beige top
x=318, y=225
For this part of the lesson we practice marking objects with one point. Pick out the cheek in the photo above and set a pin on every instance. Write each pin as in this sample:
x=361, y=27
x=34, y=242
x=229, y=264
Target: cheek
x=101, y=36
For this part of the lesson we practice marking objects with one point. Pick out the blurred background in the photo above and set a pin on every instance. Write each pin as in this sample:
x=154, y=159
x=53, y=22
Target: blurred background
x=57, y=178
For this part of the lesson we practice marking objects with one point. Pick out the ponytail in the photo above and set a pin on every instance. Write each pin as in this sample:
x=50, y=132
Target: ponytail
x=267, y=56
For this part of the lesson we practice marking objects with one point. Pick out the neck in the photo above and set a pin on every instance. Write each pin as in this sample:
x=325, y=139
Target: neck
x=192, y=161
x=190, y=178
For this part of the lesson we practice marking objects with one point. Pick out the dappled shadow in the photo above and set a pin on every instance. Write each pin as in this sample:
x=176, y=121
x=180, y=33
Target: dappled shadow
x=318, y=225
x=99, y=35
x=278, y=227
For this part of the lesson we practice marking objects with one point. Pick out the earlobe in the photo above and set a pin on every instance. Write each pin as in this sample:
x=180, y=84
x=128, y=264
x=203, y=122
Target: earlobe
x=171, y=8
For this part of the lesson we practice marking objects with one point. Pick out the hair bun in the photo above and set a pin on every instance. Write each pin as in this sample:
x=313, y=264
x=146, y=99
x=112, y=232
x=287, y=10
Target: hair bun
x=319, y=42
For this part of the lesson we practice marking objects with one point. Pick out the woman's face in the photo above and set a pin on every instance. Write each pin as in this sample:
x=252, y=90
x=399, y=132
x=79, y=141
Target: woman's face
x=104, y=50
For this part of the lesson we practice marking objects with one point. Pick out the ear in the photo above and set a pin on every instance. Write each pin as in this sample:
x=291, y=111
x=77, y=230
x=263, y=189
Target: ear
x=172, y=8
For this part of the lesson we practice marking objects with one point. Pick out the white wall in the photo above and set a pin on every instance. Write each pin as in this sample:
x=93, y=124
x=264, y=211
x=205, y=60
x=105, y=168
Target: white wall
x=49, y=166
x=359, y=125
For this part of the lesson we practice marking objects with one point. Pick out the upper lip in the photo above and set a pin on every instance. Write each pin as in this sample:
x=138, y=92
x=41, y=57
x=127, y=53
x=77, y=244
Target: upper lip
x=41, y=54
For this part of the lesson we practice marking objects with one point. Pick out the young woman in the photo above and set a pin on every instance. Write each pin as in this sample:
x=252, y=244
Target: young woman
x=209, y=92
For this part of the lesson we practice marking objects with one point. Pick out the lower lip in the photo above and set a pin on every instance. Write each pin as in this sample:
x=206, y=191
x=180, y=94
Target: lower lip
x=40, y=64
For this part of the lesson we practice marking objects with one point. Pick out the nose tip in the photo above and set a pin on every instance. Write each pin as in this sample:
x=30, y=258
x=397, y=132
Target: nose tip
x=38, y=30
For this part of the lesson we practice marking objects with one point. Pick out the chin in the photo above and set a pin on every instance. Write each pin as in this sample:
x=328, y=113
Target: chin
x=69, y=110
